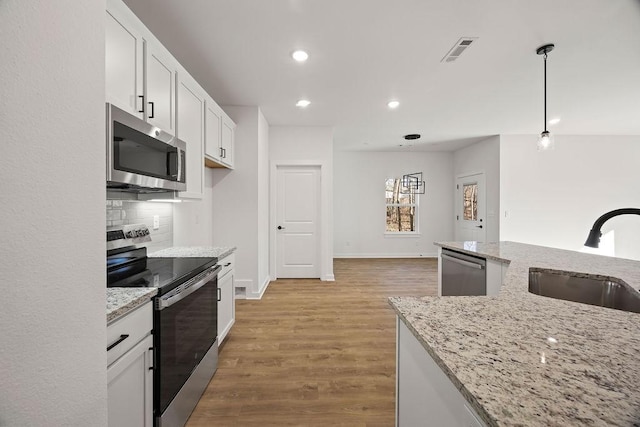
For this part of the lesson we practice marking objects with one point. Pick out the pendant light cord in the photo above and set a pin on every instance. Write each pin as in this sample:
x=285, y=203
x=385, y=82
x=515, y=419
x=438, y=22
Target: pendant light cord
x=545, y=91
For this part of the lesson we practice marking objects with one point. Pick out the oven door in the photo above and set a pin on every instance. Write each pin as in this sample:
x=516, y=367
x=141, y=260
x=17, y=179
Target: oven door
x=185, y=331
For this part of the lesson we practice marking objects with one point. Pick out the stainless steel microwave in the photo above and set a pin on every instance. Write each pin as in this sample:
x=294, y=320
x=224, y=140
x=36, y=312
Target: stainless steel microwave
x=142, y=157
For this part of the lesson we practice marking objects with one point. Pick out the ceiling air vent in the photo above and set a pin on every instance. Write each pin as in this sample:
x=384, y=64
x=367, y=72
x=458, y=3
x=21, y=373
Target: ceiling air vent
x=457, y=49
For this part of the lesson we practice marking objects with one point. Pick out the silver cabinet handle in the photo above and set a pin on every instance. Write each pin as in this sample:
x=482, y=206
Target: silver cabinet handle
x=462, y=262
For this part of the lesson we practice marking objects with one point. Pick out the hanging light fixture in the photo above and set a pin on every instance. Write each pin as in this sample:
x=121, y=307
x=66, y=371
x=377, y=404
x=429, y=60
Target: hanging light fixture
x=545, y=141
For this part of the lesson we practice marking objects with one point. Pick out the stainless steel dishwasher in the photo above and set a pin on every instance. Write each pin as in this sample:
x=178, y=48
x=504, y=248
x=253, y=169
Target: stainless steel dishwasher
x=463, y=274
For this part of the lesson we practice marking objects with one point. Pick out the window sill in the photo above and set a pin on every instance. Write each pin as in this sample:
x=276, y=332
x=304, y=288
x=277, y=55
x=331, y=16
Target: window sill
x=402, y=234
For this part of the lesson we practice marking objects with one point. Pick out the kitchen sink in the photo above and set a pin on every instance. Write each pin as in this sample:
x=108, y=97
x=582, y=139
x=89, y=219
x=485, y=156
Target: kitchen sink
x=605, y=292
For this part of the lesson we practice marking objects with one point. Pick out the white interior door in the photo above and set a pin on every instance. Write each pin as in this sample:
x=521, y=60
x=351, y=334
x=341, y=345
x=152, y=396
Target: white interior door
x=297, y=221
x=470, y=208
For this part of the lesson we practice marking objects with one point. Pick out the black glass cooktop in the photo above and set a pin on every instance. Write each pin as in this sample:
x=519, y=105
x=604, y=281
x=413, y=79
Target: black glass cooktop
x=129, y=271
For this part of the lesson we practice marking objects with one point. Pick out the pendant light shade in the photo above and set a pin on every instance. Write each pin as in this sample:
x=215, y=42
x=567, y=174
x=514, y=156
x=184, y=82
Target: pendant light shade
x=545, y=141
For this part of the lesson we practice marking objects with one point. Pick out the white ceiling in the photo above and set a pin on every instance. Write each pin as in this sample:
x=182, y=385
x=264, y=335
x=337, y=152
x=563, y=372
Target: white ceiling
x=365, y=52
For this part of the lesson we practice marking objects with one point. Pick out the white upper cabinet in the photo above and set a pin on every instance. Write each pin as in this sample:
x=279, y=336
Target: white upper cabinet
x=191, y=103
x=144, y=79
x=213, y=131
x=228, y=138
x=140, y=72
x=160, y=72
x=219, y=137
x=124, y=53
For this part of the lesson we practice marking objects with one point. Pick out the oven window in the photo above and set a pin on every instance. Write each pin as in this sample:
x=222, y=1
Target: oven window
x=187, y=330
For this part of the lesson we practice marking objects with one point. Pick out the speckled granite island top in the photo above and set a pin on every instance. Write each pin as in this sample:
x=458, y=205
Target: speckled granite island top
x=526, y=360
x=120, y=301
x=194, y=251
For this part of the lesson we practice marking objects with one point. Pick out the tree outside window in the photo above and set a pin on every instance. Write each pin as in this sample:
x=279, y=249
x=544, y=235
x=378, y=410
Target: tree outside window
x=402, y=207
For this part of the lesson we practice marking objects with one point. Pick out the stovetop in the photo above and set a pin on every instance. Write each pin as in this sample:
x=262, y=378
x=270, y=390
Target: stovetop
x=157, y=272
x=130, y=268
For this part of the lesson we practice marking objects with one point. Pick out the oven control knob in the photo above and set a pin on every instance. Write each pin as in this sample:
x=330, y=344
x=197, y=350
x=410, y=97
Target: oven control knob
x=129, y=234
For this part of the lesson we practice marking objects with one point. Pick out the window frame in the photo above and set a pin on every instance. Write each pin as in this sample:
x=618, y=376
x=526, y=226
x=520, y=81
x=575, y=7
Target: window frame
x=416, y=215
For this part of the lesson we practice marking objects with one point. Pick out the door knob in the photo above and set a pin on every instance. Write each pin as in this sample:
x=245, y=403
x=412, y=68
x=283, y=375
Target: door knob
x=280, y=227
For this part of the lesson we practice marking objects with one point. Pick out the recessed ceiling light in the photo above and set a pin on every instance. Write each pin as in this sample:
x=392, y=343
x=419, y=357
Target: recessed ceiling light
x=303, y=103
x=300, y=55
x=554, y=121
x=393, y=104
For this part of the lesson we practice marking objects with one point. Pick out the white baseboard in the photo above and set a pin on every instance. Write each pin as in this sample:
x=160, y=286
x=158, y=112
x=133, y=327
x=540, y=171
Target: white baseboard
x=328, y=278
x=406, y=255
x=261, y=291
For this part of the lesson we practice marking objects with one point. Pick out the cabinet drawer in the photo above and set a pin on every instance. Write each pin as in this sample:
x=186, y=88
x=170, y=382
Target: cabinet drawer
x=227, y=263
x=126, y=332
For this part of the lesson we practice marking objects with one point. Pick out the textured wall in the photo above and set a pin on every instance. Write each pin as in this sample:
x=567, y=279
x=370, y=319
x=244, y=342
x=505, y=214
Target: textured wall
x=52, y=216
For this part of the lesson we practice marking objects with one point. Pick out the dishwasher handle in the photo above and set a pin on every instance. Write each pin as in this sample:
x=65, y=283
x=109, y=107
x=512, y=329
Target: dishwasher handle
x=462, y=262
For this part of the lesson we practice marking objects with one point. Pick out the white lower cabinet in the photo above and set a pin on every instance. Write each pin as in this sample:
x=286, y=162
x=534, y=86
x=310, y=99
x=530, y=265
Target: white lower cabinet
x=130, y=369
x=226, y=302
x=425, y=396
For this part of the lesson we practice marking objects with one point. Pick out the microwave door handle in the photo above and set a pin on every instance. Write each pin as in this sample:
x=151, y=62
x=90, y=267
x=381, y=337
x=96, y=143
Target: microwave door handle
x=179, y=165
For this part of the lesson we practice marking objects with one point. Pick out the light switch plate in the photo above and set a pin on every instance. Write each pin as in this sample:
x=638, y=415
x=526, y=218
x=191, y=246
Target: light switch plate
x=156, y=222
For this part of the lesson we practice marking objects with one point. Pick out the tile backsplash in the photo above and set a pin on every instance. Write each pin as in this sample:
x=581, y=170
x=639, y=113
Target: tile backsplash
x=121, y=212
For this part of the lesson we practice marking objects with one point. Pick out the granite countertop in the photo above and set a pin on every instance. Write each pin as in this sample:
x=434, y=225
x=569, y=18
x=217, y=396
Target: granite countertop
x=194, y=251
x=523, y=359
x=120, y=301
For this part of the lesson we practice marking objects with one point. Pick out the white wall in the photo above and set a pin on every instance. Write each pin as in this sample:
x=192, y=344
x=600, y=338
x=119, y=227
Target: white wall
x=359, y=201
x=193, y=219
x=552, y=198
x=263, y=199
x=307, y=145
x=239, y=216
x=483, y=156
x=52, y=178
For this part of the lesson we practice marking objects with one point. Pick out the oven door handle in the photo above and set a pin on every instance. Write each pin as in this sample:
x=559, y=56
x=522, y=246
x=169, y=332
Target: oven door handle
x=170, y=300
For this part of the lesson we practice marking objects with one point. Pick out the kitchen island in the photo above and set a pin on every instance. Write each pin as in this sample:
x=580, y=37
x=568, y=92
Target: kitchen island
x=522, y=359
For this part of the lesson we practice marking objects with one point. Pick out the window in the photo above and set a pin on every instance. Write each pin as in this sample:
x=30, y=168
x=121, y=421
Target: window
x=470, y=202
x=401, y=206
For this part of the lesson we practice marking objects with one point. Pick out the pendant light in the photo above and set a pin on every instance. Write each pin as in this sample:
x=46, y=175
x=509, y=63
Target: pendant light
x=545, y=141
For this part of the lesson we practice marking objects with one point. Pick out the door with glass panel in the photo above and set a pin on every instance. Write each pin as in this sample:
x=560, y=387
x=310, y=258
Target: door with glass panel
x=470, y=208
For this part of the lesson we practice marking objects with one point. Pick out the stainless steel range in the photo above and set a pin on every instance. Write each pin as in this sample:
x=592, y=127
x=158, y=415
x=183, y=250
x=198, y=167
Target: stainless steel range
x=184, y=320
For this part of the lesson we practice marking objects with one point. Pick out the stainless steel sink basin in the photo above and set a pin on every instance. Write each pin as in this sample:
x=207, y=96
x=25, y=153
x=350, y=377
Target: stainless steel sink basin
x=587, y=290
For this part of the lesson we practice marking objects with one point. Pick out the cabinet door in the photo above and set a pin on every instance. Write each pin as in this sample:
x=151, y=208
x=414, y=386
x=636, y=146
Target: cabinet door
x=212, y=130
x=228, y=130
x=226, y=306
x=423, y=390
x=160, y=72
x=191, y=130
x=130, y=387
x=123, y=61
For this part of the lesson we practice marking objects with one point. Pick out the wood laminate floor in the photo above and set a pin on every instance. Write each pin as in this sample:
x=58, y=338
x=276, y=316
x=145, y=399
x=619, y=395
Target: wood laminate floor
x=313, y=353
